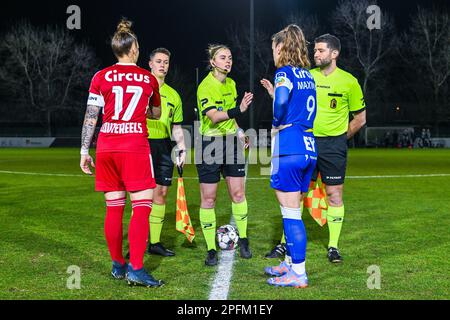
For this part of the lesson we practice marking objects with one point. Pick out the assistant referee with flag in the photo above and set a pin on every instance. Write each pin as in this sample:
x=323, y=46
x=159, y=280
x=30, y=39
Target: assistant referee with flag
x=160, y=134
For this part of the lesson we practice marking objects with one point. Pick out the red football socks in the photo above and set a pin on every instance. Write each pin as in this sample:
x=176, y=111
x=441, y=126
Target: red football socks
x=113, y=228
x=138, y=232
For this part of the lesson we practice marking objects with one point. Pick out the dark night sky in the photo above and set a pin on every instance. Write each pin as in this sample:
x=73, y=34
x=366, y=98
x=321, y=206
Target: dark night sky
x=185, y=27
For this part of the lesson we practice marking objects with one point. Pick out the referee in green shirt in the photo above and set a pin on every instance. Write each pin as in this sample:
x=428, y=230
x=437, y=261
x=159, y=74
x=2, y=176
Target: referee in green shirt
x=222, y=149
x=338, y=95
x=160, y=133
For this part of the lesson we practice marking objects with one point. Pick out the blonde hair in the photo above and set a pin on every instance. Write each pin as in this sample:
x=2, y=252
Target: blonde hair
x=123, y=39
x=212, y=51
x=294, y=51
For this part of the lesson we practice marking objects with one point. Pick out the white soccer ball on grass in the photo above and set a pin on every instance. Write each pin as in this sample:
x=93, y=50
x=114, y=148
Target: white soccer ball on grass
x=227, y=237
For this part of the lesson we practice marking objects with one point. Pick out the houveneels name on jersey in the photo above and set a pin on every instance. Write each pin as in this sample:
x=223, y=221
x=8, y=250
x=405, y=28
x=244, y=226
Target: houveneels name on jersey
x=122, y=128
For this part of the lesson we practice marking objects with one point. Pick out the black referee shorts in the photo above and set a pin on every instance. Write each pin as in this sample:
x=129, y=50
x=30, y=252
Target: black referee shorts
x=332, y=159
x=220, y=155
x=161, y=151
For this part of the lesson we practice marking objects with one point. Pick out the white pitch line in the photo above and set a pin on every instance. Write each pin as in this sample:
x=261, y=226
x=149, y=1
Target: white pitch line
x=402, y=176
x=366, y=177
x=432, y=175
x=222, y=281
x=44, y=174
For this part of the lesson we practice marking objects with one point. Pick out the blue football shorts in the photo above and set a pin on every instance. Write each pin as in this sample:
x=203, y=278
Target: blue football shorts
x=292, y=173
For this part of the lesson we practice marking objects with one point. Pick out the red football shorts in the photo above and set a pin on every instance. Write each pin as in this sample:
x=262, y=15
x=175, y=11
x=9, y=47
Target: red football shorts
x=124, y=172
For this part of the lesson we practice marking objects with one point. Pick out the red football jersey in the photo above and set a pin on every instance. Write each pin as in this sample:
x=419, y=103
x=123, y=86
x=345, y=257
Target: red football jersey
x=124, y=91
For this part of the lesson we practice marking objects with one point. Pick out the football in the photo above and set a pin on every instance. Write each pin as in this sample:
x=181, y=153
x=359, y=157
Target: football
x=227, y=237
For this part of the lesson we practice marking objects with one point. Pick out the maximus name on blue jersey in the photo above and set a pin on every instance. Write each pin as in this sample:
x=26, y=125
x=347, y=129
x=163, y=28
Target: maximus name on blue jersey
x=294, y=105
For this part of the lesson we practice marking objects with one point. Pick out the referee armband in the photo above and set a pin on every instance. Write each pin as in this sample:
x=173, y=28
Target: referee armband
x=234, y=112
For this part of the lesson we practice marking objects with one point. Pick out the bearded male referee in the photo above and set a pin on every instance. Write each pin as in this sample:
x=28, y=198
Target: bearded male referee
x=338, y=95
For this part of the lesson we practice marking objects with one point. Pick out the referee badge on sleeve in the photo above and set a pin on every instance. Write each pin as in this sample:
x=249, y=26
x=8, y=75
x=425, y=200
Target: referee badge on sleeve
x=333, y=104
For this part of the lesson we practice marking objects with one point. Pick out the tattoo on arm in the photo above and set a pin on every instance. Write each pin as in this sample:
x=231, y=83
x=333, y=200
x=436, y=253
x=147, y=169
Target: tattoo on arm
x=90, y=121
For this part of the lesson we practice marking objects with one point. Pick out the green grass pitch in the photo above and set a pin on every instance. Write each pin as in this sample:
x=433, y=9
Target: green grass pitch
x=48, y=223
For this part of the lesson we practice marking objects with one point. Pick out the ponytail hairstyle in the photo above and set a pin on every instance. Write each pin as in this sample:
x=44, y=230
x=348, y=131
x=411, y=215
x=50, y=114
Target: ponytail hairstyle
x=212, y=51
x=123, y=39
x=294, y=51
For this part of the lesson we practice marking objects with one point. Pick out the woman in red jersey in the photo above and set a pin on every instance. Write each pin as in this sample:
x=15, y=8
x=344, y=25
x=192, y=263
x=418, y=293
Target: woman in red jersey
x=125, y=92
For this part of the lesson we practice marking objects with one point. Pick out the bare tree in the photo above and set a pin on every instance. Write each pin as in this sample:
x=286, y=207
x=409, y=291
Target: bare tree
x=240, y=40
x=44, y=68
x=239, y=36
x=309, y=24
x=428, y=44
x=366, y=47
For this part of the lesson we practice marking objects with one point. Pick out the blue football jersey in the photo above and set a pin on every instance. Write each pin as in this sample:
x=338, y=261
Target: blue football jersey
x=295, y=105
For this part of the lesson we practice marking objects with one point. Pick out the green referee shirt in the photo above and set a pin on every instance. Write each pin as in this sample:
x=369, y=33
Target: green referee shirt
x=338, y=94
x=213, y=94
x=171, y=113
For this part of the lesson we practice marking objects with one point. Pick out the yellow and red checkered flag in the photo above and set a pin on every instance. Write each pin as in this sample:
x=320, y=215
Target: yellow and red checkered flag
x=316, y=201
x=183, y=224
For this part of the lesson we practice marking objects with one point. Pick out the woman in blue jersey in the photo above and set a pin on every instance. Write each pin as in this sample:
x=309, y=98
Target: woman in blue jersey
x=293, y=148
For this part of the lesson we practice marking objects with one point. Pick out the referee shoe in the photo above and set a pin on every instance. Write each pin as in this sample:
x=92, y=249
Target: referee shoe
x=334, y=255
x=277, y=252
x=211, y=258
x=159, y=249
x=244, y=248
